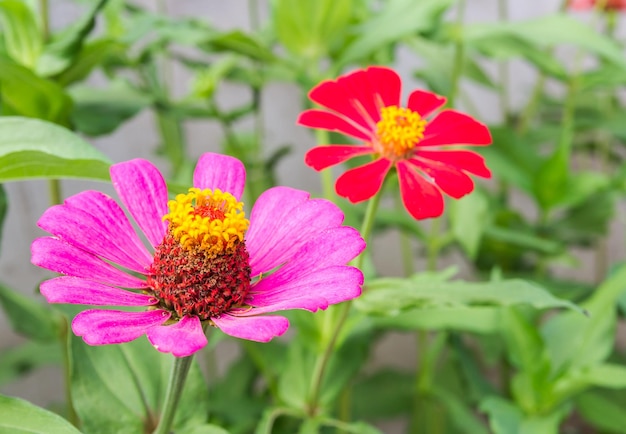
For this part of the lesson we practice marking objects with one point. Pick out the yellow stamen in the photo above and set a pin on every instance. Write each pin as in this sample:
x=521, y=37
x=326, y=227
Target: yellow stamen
x=398, y=131
x=212, y=221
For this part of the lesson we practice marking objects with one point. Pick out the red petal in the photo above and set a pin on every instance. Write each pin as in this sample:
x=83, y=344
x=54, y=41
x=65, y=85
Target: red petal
x=360, y=95
x=321, y=157
x=463, y=160
x=421, y=198
x=454, y=128
x=425, y=102
x=361, y=183
x=452, y=181
x=332, y=122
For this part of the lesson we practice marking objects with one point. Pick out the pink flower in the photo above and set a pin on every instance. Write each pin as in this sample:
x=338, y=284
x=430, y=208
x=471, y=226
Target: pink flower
x=420, y=143
x=209, y=264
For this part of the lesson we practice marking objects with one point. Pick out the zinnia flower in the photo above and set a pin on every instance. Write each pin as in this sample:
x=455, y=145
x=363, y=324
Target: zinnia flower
x=581, y=5
x=210, y=264
x=366, y=105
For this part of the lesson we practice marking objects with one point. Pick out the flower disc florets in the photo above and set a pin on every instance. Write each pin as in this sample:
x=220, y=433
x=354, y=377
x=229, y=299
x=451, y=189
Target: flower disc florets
x=202, y=266
x=398, y=131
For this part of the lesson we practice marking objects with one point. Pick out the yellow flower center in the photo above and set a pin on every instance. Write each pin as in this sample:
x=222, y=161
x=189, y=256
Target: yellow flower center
x=211, y=221
x=398, y=131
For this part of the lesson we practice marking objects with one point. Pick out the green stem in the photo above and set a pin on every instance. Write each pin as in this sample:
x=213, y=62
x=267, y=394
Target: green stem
x=44, y=16
x=54, y=188
x=178, y=375
x=326, y=175
x=64, y=336
x=322, y=361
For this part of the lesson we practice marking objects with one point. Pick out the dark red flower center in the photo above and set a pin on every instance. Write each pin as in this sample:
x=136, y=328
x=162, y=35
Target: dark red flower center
x=201, y=268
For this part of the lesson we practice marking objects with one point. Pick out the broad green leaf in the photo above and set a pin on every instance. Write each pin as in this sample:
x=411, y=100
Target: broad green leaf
x=205, y=429
x=396, y=20
x=549, y=31
x=607, y=375
x=241, y=43
x=475, y=319
x=60, y=52
x=604, y=413
x=22, y=37
x=99, y=111
x=502, y=45
x=23, y=359
x=120, y=388
x=25, y=94
x=30, y=148
x=576, y=341
x=469, y=217
x=21, y=417
x=91, y=55
x=393, y=390
x=504, y=417
x=311, y=28
x=552, y=179
x=294, y=384
x=459, y=413
x=391, y=295
x=30, y=317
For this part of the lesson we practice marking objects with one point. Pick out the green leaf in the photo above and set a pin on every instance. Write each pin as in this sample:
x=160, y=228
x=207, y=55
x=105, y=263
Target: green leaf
x=475, y=319
x=459, y=413
x=550, y=182
x=23, y=93
x=294, y=383
x=23, y=359
x=469, y=217
x=205, y=429
x=390, y=295
x=604, y=413
x=576, y=341
x=31, y=148
x=29, y=317
x=549, y=31
x=22, y=37
x=101, y=111
x=396, y=20
x=20, y=417
x=60, y=52
x=393, y=390
x=311, y=28
x=241, y=43
x=91, y=55
x=504, y=417
x=120, y=388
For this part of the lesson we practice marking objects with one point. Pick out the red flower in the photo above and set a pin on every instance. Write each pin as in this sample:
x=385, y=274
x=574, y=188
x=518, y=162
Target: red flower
x=365, y=104
x=581, y=5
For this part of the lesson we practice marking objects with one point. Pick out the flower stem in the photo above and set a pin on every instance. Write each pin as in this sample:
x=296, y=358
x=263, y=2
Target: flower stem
x=64, y=337
x=180, y=368
x=322, y=361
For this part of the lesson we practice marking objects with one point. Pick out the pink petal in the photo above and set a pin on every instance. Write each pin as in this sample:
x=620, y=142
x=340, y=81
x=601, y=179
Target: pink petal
x=312, y=291
x=451, y=127
x=424, y=102
x=322, y=157
x=182, y=339
x=255, y=328
x=463, y=160
x=329, y=121
x=58, y=256
x=95, y=223
x=451, y=180
x=222, y=172
x=101, y=327
x=142, y=190
x=74, y=290
x=363, y=182
x=281, y=221
x=329, y=248
x=421, y=199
